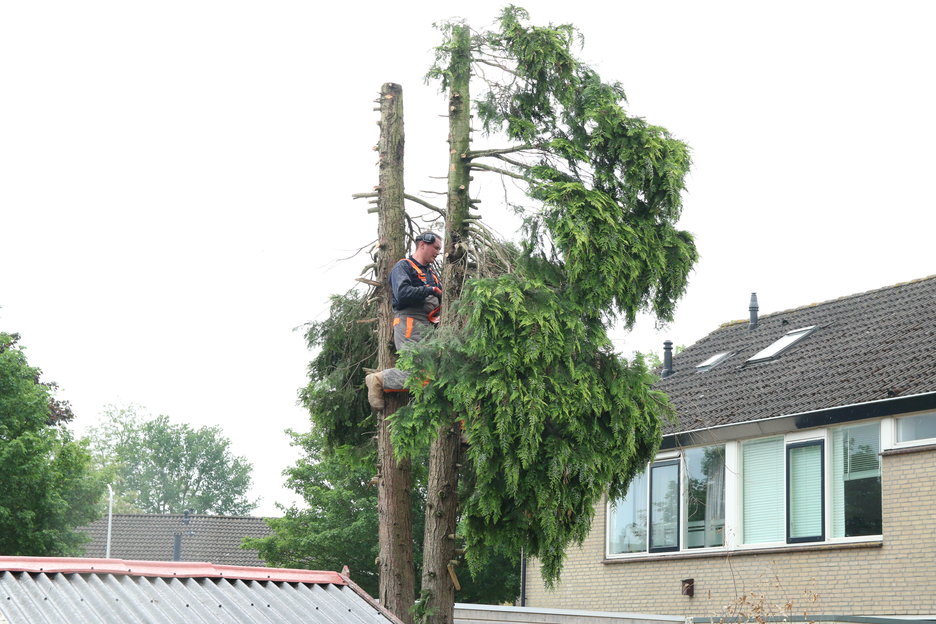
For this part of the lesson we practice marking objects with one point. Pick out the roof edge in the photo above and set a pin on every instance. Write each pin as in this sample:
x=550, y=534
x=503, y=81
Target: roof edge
x=354, y=587
x=819, y=417
x=167, y=569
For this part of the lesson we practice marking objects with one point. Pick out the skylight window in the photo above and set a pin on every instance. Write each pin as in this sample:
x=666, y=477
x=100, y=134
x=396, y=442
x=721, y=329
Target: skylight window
x=713, y=361
x=786, y=341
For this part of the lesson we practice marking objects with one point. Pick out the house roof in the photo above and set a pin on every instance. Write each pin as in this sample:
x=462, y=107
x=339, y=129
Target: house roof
x=151, y=537
x=50, y=589
x=871, y=347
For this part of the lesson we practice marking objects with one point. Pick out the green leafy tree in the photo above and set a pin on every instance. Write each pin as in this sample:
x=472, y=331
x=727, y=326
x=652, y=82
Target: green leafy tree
x=48, y=487
x=161, y=467
x=338, y=525
x=523, y=365
x=554, y=417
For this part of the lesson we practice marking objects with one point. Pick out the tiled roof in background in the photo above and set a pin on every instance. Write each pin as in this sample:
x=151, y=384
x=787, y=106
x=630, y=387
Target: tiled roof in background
x=867, y=347
x=150, y=537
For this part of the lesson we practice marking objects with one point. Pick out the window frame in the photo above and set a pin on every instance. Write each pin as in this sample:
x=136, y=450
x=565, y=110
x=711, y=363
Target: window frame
x=895, y=432
x=788, y=447
x=679, y=505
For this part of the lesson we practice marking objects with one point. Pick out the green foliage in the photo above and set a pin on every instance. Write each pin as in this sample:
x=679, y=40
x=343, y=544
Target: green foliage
x=160, y=467
x=333, y=396
x=338, y=525
x=554, y=417
x=48, y=486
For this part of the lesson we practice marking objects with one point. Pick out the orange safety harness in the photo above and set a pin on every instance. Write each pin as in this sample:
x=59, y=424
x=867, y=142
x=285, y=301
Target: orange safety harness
x=434, y=313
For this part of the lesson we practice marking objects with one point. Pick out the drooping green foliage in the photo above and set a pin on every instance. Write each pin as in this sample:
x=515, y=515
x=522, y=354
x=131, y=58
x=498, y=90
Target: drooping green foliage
x=48, y=487
x=157, y=466
x=345, y=343
x=555, y=419
x=338, y=525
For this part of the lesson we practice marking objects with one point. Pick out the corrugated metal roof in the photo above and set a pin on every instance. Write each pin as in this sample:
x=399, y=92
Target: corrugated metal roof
x=40, y=589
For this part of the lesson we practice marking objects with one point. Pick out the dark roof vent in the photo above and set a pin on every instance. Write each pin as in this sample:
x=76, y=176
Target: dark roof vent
x=753, y=309
x=667, y=359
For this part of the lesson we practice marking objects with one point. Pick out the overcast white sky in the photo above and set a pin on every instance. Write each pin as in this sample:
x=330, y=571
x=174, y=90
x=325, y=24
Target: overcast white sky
x=176, y=176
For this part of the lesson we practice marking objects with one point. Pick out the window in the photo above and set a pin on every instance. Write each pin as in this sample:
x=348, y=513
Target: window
x=664, y=506
x=762, y=487
x=648, y=517
x=919, y=427
x=705, y=496
x=774, y=350
x=809, y=486
x=627, y=519
x=856, y=481
x=713, y=361
x=805, y=500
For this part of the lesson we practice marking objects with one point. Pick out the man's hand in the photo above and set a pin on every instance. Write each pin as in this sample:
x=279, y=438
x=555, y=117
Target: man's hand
x=436, y=291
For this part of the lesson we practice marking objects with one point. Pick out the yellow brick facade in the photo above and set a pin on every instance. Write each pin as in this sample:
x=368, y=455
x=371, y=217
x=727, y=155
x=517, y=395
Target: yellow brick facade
x=896, y=576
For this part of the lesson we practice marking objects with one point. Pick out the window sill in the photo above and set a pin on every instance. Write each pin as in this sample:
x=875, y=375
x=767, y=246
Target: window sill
x=740, y=552
x=902, y=450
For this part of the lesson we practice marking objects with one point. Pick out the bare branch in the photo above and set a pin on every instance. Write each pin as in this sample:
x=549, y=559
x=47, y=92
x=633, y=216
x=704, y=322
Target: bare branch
x=503, y=172
x=363, y=195
x=503, y=150
x=511, y=161
x=498, y=66
x=424, y=203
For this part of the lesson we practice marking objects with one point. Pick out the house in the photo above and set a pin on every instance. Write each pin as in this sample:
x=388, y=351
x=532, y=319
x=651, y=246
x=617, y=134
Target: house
x=55, y=590
x=798, y=477
x=177, y=537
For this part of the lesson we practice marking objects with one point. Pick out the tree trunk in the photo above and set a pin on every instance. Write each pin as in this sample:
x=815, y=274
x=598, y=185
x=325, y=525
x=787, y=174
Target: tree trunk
x=397, y=572
x=438, y=587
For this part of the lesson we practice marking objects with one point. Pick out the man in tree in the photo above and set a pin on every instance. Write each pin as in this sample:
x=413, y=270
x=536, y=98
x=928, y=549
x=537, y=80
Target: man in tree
x=417, y=297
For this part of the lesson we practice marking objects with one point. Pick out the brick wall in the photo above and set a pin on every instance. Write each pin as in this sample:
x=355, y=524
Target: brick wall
x=896, y=577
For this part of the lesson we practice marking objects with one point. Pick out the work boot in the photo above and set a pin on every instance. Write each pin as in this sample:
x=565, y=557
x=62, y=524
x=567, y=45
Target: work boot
x=374, y=383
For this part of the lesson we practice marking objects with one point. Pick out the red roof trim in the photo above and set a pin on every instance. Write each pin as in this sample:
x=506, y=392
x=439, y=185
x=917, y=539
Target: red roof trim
x=166, y=569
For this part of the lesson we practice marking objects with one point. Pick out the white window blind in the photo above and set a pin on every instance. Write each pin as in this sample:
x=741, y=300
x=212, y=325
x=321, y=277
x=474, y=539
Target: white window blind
x=805, y=500
x=762, y=489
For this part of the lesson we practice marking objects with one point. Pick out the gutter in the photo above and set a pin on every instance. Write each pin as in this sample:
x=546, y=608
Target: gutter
x=801, y=420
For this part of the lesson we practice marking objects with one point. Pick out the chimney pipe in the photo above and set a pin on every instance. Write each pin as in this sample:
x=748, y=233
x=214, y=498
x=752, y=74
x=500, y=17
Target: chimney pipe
x=667, y=359
x=753, y=309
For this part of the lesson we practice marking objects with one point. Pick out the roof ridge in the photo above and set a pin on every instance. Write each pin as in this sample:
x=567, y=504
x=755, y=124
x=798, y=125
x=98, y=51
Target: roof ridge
x=166, y=569
x=836, y=299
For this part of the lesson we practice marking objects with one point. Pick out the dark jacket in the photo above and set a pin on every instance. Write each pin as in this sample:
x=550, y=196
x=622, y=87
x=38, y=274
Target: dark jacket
x=409, y=290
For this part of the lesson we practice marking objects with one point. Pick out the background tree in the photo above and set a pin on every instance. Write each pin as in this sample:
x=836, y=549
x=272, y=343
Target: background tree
x=555, y=419
x=338, y=524
x=48, y=486
x=160, y=467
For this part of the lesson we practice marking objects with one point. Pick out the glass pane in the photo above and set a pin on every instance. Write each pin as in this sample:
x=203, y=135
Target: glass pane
x=783, y=343
x=627, y=526
x=664, y=506
x=856, y=481
x=919, y=427
x=762, y=483
x=805, y=492
x=705, y=497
